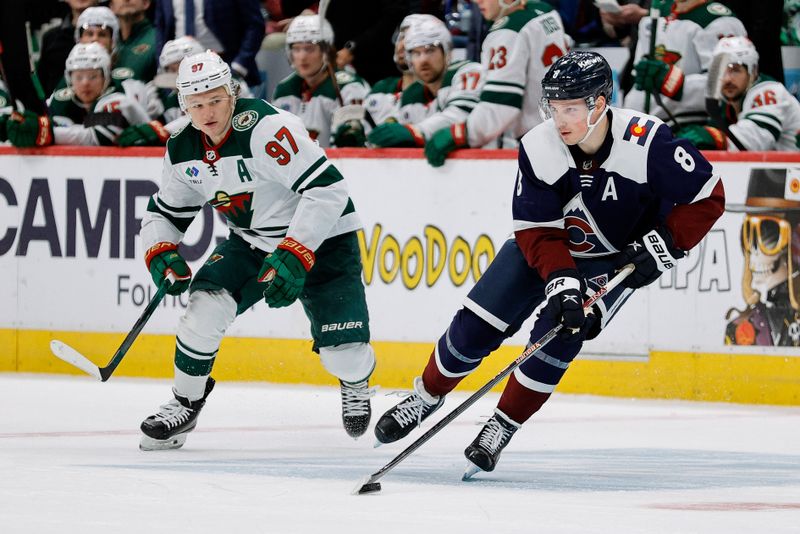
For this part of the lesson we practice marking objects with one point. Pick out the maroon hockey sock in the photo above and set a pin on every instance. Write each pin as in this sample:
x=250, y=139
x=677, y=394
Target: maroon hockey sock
x=435, y=382
x=518, y=402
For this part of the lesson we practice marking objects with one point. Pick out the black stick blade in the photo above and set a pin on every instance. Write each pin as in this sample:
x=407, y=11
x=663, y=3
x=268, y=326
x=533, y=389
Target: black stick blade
x=365, y=485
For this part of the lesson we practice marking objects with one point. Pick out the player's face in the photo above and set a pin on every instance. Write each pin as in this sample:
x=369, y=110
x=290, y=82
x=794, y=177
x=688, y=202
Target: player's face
x=400, y=53
x=307, y=59
x=87, y=84
x=122, y=8
x=211, y=112
x=569, y=116
x=735, y=80
x=97, y=34
x=490, y=9
x=428, y=62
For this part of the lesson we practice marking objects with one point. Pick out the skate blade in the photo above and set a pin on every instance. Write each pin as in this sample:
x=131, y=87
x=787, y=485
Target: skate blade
x=470, y=471
x=149, y=444
x=378, y=443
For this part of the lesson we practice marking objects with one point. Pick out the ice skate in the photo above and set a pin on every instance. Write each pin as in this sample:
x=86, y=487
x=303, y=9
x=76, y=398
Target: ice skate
x=168, y=428
x=356, y=409
x=483, y=453
x=399, y=421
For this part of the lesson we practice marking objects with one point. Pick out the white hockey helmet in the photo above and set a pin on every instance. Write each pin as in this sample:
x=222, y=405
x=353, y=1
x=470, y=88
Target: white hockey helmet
x=430, y=31
x=407, y=22
x=88, y=56
x=177, y=49
x=98, y=16
x=739, y=50
x=309, y=29
x=203, y=72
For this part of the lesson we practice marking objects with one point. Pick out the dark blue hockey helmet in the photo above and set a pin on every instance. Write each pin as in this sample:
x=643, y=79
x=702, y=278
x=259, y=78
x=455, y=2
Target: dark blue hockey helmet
x=578, y=74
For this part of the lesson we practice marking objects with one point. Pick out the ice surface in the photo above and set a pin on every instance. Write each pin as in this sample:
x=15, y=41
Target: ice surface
x=274, y=458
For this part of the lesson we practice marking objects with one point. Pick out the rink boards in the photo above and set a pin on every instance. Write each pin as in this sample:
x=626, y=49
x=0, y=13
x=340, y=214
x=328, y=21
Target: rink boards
x=72, y=269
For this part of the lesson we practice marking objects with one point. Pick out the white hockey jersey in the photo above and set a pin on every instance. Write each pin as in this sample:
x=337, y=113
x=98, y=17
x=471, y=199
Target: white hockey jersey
x=686, y=40
x=456, y=98
x=515, y=55
x=769, y=120
x=383, y=100
x=267, y=178
x=315, y=106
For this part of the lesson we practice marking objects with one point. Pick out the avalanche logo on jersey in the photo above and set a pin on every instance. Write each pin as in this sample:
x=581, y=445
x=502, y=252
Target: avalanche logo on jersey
x=584, y=238
x=236, y=208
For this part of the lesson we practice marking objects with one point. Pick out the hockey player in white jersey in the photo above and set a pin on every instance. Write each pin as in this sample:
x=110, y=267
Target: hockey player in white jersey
x=525, y=39
x=687, y=32
x=445, y=93
x=87, y=112
x=759, y=113
x=331, y=108
x=597, y=188
x=292, y=237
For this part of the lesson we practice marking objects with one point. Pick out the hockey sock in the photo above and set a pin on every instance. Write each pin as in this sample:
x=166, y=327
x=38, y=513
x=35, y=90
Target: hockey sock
x=435, y=382
x=518, y=402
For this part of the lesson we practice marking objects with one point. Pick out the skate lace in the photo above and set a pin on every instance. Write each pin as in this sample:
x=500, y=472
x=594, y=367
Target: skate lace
x=493, y=435
x=355, y=398
x=173, y=413
x=410, y=410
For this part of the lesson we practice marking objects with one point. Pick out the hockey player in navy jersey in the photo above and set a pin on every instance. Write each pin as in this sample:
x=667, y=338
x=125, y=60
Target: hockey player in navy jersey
x=597, y=188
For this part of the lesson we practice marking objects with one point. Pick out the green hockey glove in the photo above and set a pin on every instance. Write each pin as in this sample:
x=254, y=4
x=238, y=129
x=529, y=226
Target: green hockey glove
x=147, y=134
x=394, y=134
x=704, y=137
x=445, y=141
x=285, y=271
x=3, y=131
x=350, y=133
x=163, y=259
x=28, y=129
x=655, y=76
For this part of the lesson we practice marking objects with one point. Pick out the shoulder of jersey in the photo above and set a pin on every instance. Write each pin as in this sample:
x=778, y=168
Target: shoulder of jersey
x=764, y=83
x=544, y=149
x=344, y=77
x=111, y=95
x=184, y=145
x=633, y=126
x=288, y=86
x=705, y=14
x=413, y=93
x=386, y=85
x=249, y=113
x=454, y=67
x=518, y=19
x=63, y=95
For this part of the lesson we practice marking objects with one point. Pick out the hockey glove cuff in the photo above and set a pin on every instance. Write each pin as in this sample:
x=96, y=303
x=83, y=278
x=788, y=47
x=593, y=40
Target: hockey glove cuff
x=704, y=137
x=655, y=76
x=396, y=135
x=445, y=141
x=27, y=129
x=161, y=260
x=651, y=255
x=350, y=133
x=564, y=293
x=285, y=272
x=148, y=134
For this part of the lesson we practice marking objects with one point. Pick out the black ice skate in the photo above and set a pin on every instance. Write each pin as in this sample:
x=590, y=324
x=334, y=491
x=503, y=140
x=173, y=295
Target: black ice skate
x=168, y=428
x=356, y=410
x=399, y=421
x=483, y=453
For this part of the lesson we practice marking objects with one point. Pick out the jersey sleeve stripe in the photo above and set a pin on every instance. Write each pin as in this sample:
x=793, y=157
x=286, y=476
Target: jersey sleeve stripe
x=503, y=89
x=506, y=84
x=327, y=177
x=527, y=225
x=503, y=99
x=776, y=133
x=173, y=209
x=767, y=117
x=311, y=170
x=180, y=223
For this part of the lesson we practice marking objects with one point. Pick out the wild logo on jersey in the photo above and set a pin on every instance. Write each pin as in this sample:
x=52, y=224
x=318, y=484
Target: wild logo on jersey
x=670, y=57
x=236, y=208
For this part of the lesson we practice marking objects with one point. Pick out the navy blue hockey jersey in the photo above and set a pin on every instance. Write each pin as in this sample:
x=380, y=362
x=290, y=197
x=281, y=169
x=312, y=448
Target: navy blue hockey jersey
x=568, y=204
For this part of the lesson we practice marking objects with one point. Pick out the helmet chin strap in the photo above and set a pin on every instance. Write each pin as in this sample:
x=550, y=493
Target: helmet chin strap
x=591, y=126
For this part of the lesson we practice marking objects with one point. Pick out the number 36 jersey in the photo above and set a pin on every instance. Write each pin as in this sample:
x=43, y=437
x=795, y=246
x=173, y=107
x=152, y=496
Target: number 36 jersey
x=267, y=178
x=568, y=204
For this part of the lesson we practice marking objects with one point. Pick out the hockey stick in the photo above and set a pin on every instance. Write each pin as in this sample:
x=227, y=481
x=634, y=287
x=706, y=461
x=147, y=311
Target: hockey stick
x=73, y=357
x=655, y=13
x=370, y=484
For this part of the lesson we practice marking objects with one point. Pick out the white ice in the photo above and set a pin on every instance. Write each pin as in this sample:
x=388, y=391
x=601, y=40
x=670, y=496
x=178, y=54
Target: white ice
x=275, y=459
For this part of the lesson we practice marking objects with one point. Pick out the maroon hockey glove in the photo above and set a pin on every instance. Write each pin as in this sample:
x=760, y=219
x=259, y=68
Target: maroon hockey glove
x=651, y=255
x=564, y=293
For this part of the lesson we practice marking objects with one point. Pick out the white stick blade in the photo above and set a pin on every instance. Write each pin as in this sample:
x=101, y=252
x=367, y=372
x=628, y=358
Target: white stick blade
x=73, y=357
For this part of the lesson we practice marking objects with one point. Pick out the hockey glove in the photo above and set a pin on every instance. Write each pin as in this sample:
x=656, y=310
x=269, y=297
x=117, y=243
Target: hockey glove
x=655, y=76
x=651, y=255
x=394, y=134
x=704, y=137
x=3, y=131
x=148, y=134
x=28, y=129
x=285, y=271
x=564, y=294
x=350, y=133
x=161, y=260
x=445, y=141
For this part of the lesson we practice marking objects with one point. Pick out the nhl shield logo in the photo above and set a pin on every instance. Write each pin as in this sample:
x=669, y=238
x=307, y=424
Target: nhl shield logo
x=245, y=120
x=211, y=155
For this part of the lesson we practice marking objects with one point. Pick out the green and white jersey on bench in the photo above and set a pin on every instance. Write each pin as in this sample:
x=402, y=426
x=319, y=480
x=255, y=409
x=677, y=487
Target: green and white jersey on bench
x=770, y=118
x=268, y=178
